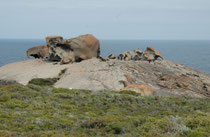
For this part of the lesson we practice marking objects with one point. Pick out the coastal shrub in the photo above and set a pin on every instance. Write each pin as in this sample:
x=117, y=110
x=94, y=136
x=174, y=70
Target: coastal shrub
x=35, y=110
x=129, y=92
x=198, y=134
x=4, y=133
x=4, y=97
x=116, y=127
x=43, y=81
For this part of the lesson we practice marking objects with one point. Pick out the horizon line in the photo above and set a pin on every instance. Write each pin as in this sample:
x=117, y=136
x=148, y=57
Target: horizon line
x=97, y=38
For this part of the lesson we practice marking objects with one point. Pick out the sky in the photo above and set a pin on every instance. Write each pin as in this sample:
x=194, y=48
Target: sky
x=106, y=19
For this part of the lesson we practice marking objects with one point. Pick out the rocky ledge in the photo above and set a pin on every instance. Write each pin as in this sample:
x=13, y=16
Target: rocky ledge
x=159, y=78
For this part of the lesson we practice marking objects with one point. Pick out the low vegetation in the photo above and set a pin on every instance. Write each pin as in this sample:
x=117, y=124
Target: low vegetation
x=37, y=111
x=44, y=81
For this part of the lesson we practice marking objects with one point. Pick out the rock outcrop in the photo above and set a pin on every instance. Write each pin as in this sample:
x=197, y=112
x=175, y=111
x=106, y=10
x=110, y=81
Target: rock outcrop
x=74, y=49
x=67, y=50
x=22, y=72
x=38, y=52
x=132, y=71
x=152, y=54
x=131, y=55
x=159, y=78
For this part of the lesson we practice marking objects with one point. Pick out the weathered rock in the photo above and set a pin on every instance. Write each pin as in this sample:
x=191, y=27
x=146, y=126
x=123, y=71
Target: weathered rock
x=130, y=79
x=38, y=52
x=103, y=58
x=183, y=82
x=162, y=78
x=131, y=55
x=92, y=75
x=69, y=50
x=74, y=49
x=22, y=72
x=53, y=40
x=112, y=56
x=143, y=89
x=151, y=53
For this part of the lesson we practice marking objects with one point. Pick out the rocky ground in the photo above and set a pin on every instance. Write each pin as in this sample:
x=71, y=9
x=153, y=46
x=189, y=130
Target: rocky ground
x=159, y=78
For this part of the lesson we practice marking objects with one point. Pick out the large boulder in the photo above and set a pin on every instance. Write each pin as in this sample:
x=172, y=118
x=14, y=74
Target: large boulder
x=131, y=55
x=67, y=50
x=151, y=53
x=38, y=52
x=74, y=49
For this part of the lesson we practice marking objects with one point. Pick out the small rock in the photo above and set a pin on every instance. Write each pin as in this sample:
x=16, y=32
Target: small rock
x=104, y=59
x=131, y=55
x=112, y=56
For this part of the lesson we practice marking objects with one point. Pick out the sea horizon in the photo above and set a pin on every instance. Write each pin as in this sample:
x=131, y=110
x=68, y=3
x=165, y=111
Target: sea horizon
x=182, y=51
x=108, y=39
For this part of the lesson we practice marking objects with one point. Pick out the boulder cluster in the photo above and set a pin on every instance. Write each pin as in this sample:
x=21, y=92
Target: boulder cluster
x=82, y=48
x=137, y=54
x=67, y=50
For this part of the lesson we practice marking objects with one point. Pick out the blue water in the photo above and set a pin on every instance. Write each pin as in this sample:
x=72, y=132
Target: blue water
x=193, y=53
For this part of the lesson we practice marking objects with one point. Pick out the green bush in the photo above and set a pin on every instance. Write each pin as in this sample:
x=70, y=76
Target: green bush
x=4, y=98
x=35, y=110
x=116, y=127
x=43, y=82
x=198, y=134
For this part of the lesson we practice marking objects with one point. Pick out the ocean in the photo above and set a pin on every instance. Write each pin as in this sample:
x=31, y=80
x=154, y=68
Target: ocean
x=193, y=53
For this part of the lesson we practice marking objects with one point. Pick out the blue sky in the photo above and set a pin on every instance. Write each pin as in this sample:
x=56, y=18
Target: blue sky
x=106, y=19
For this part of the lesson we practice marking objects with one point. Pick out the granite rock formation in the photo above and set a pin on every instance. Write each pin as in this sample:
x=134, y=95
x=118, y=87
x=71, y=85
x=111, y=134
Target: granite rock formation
x=67, y=50
x=159, y=78
x=152, y=54
x=132, y=71
x=38, y=52
x=74, y=49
